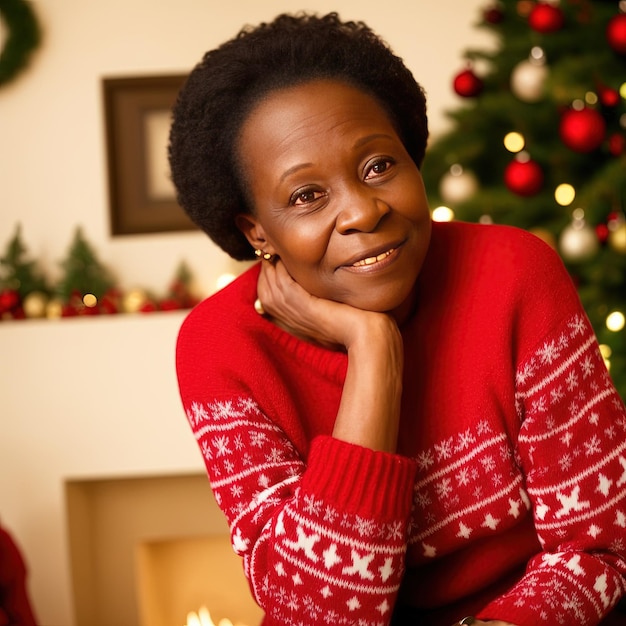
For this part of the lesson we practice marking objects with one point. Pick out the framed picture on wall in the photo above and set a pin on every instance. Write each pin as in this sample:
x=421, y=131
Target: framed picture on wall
x=137, y=119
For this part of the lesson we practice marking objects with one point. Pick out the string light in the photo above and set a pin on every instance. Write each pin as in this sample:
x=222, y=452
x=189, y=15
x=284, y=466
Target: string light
x=615, y=321
x=514, y=142
x=564, y=194
x=443, y=214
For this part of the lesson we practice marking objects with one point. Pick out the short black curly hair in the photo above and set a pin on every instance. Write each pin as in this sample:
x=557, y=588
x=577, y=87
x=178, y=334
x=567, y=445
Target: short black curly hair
x=221, y=90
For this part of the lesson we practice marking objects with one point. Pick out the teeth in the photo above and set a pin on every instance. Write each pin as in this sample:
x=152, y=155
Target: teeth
x=373, y=259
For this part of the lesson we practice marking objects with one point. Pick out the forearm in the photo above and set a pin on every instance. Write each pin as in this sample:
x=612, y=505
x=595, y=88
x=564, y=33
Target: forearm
x=370, y=404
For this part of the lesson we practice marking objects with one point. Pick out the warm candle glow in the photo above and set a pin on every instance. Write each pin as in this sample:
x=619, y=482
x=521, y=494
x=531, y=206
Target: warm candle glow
x=203, y=618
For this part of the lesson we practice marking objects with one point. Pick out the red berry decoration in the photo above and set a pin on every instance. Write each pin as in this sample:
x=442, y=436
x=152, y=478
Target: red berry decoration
x=616, y=33
x=493, y=15
x=523, y=177
x=467, y=84
x=546, y=18
x=582, y=130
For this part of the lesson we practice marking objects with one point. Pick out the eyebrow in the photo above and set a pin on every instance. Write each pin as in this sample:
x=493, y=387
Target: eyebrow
x=357, y=144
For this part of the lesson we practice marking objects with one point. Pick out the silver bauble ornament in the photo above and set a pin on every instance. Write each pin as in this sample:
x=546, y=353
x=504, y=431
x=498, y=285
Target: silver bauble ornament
x=457, y=185
x=578, y=241
x=528, y=80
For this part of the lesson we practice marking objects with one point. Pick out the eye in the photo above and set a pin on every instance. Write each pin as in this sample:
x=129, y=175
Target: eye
x=305, y=196
x=377, y=168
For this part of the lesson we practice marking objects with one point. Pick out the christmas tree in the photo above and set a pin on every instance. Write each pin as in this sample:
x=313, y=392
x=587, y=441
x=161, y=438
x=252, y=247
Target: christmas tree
x=538, y=142
x=85, y=279
x=19, y=278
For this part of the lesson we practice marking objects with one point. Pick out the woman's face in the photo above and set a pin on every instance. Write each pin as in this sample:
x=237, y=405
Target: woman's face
x=335, y=194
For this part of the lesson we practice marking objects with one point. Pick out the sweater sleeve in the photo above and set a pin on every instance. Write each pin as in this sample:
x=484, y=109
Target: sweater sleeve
x=321, y=539
x=572, y=450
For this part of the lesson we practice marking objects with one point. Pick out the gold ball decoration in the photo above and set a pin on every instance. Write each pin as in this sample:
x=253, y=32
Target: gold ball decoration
x=134, y=300
x=617, y=238
x=35, y=304
x=54, y=309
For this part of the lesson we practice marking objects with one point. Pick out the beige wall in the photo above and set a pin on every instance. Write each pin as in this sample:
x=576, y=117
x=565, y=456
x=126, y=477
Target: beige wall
x=92, y=398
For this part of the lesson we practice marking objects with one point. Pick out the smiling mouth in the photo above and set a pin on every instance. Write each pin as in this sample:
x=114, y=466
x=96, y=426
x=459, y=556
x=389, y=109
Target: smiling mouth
x=373, y=259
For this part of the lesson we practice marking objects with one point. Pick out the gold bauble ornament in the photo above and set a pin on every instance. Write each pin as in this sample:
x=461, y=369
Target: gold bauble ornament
x=134, y=300
x=54, y=309
x=617, y=238
x=35, y=304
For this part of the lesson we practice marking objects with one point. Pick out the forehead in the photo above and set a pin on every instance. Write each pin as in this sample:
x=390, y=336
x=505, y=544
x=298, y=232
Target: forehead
x=309, y=111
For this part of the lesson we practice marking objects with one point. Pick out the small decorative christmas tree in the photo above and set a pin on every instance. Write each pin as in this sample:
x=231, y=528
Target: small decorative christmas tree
x=539, y=142
x=85, y=281
x=19, y=278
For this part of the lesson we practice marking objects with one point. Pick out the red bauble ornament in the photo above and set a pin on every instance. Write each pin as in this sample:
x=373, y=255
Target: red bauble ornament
x=582, y=130
x=602, y=232
x=523, y=177
x=9, y=299
x=467, y=84
x=616, y=33
x=608, y=97
x=546, y=18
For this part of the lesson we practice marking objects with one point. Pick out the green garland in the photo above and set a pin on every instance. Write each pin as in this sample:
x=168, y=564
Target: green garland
x=23, y=37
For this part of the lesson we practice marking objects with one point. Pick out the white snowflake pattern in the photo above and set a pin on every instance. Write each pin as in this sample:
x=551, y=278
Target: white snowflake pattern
x=275, y=455
x=444, y=449
x=462, y=477
x=422, y=499
x=587, y=367
x=206, y=451
x=257, y=438
x=394, y=531
x=330, y=515
x=425, y=459
x=577, y=326
x=224, y=410
x=488, y=463
x=466, y=440
x=312, y=506
x=556, y=395
x=444, y=488
x=593, y=446
x=483, y=428
x=197, y=414
x=571, y=381
x=365, y=527
x=527, y=371
x=221, y=444
x=565, y=462
x=549, y=353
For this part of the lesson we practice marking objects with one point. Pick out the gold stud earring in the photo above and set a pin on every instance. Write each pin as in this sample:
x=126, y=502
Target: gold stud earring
x=265, y=255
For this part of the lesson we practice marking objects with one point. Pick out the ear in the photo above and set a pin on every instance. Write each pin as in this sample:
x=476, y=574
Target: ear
x=253, y=232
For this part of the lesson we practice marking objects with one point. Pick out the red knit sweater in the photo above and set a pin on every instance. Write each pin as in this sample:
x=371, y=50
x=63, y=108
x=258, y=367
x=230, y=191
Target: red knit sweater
x=507, y=495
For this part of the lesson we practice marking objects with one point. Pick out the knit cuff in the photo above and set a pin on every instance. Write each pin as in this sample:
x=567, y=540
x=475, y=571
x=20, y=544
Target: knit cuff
x=359, y=480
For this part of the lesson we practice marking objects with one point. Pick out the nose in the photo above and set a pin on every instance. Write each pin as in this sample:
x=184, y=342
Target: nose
x=360, y=212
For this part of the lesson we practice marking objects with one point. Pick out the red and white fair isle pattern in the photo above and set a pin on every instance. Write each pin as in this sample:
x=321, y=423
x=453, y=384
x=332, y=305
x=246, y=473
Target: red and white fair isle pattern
x=311, y=563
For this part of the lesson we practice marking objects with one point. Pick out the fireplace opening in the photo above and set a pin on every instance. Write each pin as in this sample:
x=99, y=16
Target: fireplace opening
x=148, y=551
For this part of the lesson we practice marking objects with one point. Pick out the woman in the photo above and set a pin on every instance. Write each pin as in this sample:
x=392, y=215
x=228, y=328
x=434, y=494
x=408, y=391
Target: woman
x=403, y=422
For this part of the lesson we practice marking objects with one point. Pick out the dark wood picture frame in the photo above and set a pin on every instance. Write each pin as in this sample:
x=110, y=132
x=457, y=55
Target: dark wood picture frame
x=137, y=116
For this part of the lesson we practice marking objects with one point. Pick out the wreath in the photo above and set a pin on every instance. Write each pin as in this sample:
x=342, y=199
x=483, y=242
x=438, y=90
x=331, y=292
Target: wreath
x=23, y=36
